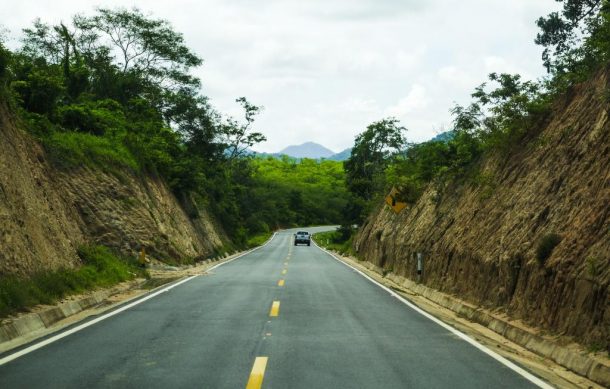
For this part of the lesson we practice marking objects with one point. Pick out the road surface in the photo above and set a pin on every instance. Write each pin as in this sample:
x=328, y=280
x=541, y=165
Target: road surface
x=289, y=317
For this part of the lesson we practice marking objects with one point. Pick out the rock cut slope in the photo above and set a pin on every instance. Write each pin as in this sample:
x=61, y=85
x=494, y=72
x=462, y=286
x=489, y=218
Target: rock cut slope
x=46, y=214
x=480, y=241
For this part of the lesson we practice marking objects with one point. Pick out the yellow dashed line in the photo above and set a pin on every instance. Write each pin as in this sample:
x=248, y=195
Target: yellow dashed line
x=257, y=374
x=280, y=283
x=275, y=309
x=284, y=271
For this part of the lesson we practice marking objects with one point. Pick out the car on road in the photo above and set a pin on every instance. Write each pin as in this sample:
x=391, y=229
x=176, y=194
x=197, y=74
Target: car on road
x=302, y=237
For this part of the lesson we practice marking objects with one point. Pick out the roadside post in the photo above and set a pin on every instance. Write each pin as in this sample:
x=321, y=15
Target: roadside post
x=420, y=266
x=142, y=258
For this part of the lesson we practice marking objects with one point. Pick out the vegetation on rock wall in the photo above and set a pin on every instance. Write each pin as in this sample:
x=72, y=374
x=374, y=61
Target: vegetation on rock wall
x=114, y=91
x=505, y=111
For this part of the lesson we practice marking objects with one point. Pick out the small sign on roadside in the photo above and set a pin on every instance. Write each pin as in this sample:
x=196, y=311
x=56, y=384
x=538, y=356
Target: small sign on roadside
x=396, y=205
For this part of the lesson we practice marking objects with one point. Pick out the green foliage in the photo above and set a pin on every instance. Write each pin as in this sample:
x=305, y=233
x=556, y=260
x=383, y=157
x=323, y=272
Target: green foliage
x=546, y=246
x=371, y=154
x=576, y=43
x=95, y=117
x=40, y=90
x=73, y=149
x=574, y=36
x=373, y=151
x=433, y=161
x=113, y=91
x=149, y=46
x=337, y=241
x=259, y=239
x=487, y=184
x=594, y=266
x=5, y=57
x=100, y=268
x=286, y=193
x=237, y=137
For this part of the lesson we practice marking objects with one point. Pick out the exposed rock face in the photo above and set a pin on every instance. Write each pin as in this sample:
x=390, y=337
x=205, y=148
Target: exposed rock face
x=480, y=241
x=45, y=214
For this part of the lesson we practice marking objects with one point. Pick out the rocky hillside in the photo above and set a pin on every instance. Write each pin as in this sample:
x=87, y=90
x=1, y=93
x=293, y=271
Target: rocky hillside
x=45, y=214
x=480, y=238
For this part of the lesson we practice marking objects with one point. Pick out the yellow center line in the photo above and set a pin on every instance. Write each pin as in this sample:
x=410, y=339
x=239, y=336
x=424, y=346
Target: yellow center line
x=257, y=374
x=284, y=271
x=275, y=309
x=280, y=283
x=285, y=263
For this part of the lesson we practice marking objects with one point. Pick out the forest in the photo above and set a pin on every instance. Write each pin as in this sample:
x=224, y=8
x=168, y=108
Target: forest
x=115, y=91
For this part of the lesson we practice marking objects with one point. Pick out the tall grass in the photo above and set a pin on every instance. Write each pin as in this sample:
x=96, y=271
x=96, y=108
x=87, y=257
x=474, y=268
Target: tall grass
x=73, y=149
x=101, y=268
x=259, y=239
x=336, y=241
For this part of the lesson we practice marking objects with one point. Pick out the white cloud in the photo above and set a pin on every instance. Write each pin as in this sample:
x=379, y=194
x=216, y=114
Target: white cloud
x=416, y=100
x=502, y=65
x=457, y=78
x=324, y=70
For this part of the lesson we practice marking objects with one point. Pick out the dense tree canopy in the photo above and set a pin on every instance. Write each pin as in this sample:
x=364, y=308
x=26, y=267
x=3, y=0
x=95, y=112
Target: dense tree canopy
x=113, y=90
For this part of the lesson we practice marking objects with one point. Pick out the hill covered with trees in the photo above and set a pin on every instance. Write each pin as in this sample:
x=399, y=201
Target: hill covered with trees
x=114, y=91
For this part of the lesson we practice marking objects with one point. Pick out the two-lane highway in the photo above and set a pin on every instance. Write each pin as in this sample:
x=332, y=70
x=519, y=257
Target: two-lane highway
x=286, y=316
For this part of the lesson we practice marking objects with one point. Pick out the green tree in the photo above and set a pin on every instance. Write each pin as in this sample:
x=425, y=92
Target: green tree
x=372, y=152
x=146, y=45
x=575, y=37
x=238, y=137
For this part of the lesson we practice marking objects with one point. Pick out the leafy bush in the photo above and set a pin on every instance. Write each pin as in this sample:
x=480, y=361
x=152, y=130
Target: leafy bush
x=546, y=246
x=259, y=239
x=5, y=57
x=94, y=117
x=73, y=149
x=339, y=241
x=100, y=268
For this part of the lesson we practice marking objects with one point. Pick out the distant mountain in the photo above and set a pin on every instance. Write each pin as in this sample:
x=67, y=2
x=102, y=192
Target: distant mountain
x=444, y=136
x=341, y=156
x=308, y=150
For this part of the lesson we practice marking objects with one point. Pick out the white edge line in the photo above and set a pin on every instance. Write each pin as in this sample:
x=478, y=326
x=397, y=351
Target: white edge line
x=71, y=331
x=530, y=377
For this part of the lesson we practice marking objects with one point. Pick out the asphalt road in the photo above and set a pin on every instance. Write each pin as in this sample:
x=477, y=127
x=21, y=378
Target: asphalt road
x=326, y=326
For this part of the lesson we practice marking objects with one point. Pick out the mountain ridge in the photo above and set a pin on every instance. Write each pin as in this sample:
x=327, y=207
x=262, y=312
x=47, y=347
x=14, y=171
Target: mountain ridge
x=308, y=150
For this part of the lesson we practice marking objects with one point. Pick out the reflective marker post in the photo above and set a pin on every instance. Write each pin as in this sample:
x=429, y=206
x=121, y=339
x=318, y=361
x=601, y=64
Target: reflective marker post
x=420, y=266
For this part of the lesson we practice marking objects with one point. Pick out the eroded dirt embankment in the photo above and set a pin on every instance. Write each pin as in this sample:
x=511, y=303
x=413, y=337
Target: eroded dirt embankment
x=480, y=241
x=45, y=213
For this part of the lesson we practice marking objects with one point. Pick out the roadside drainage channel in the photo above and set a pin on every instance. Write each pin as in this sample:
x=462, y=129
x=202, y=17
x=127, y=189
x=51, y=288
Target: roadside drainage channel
x=595, y=370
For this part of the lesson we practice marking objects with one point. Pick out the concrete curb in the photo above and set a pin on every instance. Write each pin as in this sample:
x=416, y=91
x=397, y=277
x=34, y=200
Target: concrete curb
x=28, y=324
x=595, y=370
x=32, y=322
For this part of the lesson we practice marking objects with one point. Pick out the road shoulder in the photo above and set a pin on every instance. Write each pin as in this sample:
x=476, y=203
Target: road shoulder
x=452, y=312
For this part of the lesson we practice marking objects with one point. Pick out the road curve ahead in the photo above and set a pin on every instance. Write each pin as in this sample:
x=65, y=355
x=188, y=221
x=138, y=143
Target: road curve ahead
x=279, y=317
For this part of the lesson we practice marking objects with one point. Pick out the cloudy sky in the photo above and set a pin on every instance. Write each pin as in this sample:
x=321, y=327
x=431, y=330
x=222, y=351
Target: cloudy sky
x=325, y=69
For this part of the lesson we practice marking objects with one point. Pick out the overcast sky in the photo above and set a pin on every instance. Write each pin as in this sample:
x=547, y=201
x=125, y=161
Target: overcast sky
x=325, y=69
